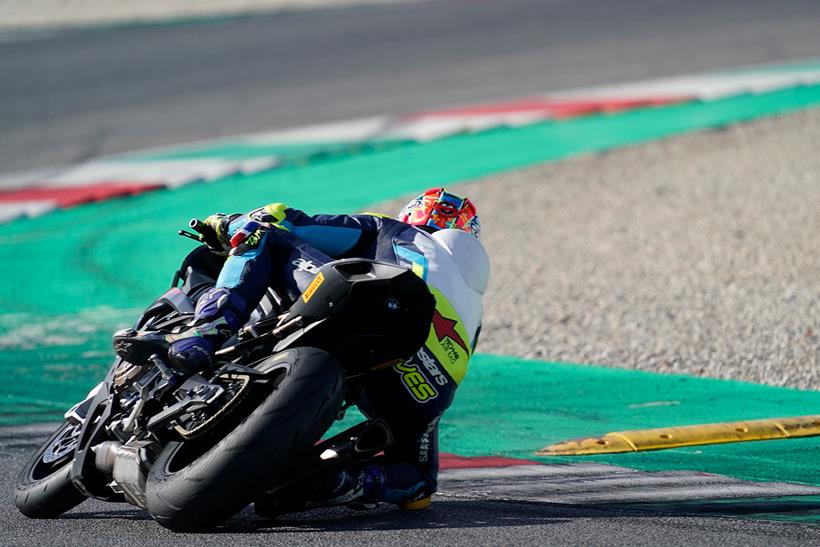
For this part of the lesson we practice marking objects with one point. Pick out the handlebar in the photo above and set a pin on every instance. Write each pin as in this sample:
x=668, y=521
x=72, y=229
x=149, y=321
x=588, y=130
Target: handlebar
x=207, y=235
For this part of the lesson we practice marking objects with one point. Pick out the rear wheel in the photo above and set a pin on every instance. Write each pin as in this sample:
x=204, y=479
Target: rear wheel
x=194, y=486
x=44, y=488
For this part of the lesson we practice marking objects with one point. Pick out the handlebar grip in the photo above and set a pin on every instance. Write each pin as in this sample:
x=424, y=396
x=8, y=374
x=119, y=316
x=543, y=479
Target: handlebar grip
x=198, y=225
x=208, y=234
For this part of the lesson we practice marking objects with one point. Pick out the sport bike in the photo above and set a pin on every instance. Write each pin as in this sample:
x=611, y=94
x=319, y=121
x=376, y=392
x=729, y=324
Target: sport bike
x=193, y=450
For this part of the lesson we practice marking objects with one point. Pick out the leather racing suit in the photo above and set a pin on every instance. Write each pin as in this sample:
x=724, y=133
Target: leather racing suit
x=283, y=248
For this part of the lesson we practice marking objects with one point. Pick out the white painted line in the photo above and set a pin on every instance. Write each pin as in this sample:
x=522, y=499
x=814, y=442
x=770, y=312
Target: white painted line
x=344, y=131
x=685, y=493
x=597, y=483
x=525, y=118
x=12, y=210
x=705, y=86
x=530, y=471
x=59, y=14
x=424, y=130
x=428, y=127
x=170, y=172
x=594, y=485
x=254, y=165
x=423, y=127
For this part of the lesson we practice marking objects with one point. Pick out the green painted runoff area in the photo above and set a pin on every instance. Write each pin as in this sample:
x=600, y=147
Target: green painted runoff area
x=513, y=407
x=73, y=276
x=120, y=253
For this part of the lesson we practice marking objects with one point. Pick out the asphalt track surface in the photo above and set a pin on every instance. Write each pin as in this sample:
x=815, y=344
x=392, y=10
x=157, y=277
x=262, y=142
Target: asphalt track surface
x=71, y=96
x=478, y=518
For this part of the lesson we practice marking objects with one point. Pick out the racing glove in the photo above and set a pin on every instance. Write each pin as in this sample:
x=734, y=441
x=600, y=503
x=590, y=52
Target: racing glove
x=220, y=224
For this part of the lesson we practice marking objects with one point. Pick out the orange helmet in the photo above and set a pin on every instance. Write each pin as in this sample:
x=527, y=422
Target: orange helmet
x=438, y=209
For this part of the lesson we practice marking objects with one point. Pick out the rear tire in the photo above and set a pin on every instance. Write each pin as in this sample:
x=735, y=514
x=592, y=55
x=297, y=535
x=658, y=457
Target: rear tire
x=185, y=495
x=44, y=488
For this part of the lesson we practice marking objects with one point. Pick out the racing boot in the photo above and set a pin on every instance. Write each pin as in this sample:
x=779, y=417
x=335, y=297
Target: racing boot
x=414, y=505
x=219, y=313
x=189, y=351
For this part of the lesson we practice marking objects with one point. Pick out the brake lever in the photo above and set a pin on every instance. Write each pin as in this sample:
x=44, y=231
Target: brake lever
x=189, y=235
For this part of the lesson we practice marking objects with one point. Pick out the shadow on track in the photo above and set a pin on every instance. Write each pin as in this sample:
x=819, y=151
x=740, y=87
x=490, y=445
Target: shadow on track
x=473, y=514
x=478, y=513
x=124, y=514
x=442, y=514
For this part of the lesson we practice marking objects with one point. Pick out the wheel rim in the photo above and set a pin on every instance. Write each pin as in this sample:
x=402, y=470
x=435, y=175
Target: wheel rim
x=62, y=445
x=58, y=452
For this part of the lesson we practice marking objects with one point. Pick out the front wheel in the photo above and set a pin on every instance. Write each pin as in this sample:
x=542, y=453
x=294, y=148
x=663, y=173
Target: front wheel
x=187, y=490
x=44, y=488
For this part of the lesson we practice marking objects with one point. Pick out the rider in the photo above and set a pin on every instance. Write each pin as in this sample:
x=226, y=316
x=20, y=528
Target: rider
x=436, y=236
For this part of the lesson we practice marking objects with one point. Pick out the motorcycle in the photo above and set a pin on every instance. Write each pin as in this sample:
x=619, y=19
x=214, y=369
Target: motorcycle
x=193, y=450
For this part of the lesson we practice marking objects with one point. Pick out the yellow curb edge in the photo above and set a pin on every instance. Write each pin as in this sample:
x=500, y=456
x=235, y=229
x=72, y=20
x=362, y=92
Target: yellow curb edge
x=688, y=435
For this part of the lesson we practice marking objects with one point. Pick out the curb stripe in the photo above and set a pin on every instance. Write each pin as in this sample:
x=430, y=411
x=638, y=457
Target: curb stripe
x=73, y=195
x=35, y=194
x=453, y=461
x=204, y=161
x=704, y=87
x=591, y=484
x=547, y=107
x=345, y=131
x=34, y=208
x=541, y=471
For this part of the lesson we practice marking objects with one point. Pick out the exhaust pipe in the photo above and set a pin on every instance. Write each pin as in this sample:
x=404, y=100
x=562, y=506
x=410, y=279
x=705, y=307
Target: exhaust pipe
x=105, y=454
x=128, y=465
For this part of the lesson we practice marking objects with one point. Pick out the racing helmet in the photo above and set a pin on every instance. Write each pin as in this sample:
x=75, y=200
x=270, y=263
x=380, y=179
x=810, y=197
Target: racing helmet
x=437, y=209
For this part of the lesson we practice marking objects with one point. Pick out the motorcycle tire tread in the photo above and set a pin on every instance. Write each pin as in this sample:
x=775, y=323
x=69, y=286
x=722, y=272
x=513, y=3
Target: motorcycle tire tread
x=268, y=443
x=49, y=496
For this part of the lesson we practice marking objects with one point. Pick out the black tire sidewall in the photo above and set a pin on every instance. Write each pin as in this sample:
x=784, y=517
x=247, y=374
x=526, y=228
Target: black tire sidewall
x=259, y=451
x=49, y=496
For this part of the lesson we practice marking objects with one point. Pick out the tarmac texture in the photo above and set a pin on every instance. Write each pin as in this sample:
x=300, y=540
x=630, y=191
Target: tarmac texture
x=50, y=14
x=692, y=255
x=603, y=211
x=461, y=518
x=68, y=97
